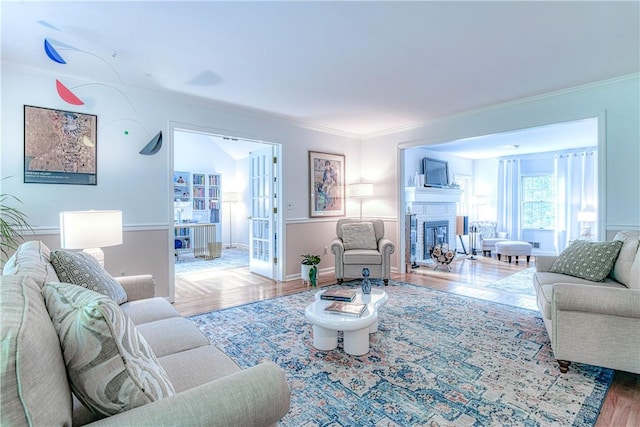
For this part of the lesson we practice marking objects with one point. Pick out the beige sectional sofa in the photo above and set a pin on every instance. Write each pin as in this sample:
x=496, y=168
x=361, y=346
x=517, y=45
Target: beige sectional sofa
x=596, y=323
x=209, y=389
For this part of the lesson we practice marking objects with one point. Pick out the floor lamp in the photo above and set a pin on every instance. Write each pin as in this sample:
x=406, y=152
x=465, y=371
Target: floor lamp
x=231, y=198
x=361, y=191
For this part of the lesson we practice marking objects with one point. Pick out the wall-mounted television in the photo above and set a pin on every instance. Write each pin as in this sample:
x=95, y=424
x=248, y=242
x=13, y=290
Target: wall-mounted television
x=436, y=172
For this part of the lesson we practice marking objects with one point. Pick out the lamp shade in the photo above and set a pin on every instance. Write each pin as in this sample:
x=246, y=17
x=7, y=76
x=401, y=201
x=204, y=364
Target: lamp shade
x=361, y=190
x=586, y=216
x=90, y=229
x=231, y=196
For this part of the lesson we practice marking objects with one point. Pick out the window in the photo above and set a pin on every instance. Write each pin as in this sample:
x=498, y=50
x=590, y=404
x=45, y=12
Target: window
x=538, y=208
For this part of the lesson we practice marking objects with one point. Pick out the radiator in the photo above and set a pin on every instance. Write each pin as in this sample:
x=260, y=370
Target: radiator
x=204, y=239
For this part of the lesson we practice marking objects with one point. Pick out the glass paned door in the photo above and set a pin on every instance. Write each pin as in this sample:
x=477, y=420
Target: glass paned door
x=262, y=235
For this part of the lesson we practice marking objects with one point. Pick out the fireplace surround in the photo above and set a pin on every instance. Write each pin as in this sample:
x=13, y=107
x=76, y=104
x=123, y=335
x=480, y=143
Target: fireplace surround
x=433, y=205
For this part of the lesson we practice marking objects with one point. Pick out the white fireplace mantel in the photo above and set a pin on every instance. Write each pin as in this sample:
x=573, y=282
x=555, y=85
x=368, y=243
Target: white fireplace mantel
x=431, y=195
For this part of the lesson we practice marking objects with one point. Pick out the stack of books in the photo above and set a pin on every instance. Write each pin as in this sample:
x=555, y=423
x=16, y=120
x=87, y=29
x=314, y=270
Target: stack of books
x=346, y=308
x=339, y=294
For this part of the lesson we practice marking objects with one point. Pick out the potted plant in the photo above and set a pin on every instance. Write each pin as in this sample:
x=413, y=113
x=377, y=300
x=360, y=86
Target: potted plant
x=12, y=223
x=309, y=269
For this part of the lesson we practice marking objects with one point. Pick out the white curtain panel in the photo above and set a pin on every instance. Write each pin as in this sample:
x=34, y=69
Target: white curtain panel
x=509, y=197
x=576, y=190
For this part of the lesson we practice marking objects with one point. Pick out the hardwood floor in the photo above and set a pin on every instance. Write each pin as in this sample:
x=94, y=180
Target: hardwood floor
x=198, y=293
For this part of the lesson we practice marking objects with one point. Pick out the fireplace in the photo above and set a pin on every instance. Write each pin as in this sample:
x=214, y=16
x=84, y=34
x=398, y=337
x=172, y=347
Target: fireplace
x=435, y=233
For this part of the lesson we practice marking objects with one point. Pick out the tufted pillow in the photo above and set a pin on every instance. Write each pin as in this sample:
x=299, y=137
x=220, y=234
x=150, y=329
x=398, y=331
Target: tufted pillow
x=359, y=235
x=587, y=260
x=82, y=269
x=110, y=366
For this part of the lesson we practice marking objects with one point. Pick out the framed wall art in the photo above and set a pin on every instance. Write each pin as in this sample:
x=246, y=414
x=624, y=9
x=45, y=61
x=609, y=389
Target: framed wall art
x=60, y=147
x=326, y=176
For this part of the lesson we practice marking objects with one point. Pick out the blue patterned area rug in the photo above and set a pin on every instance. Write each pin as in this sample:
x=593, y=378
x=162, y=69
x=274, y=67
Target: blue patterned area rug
x=518, y=283
x=437, y=359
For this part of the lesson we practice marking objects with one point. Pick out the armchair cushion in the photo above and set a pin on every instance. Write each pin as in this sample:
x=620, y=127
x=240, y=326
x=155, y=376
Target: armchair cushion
x=110, y=366
x=359, y=235
x=587, y=260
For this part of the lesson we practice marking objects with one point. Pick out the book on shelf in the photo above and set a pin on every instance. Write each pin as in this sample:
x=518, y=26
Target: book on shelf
x=339, y=295
x=346, y=308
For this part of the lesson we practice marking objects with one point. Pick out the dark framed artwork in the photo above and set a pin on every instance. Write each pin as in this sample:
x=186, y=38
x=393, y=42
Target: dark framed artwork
x=60, y=147
x=326, y=177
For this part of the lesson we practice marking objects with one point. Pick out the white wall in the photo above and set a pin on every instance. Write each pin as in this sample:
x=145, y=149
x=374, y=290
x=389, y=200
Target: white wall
x=140, y=185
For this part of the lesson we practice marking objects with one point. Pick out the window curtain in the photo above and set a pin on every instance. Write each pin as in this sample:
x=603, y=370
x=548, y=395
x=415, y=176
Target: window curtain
x=509, y=197
x=576, y=177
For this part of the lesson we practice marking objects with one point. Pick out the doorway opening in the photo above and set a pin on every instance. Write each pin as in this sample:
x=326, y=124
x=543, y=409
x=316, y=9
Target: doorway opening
x=222, y=195
x=474, y=165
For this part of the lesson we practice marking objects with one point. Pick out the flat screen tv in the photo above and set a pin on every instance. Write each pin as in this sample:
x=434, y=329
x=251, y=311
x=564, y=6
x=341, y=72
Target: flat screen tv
x=436, y=172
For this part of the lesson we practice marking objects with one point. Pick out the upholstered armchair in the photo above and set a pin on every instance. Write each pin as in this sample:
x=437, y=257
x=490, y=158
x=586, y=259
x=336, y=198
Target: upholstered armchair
x=361, y=244
x=486, y=236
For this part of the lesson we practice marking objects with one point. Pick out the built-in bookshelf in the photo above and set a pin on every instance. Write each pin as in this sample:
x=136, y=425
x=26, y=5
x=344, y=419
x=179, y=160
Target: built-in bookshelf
x=197, y=199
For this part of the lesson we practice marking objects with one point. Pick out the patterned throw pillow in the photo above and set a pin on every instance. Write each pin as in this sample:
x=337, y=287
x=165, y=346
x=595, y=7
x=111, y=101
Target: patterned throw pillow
x=82, y=269
x=110, y=366
x=587, y=260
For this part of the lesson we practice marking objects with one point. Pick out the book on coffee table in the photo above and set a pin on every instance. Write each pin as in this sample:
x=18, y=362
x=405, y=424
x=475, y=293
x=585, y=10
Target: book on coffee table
x=346, y=308
x=347, y=295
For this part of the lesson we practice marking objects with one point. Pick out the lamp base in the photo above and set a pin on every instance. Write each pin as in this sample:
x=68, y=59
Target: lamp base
x=97, y=253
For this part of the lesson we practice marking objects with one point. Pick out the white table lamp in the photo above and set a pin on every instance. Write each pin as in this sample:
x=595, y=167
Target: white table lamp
x=361, y=191
x=586, y=218
x=90, y=231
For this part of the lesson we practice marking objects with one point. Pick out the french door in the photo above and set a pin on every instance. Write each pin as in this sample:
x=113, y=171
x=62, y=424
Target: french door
x=262, y=222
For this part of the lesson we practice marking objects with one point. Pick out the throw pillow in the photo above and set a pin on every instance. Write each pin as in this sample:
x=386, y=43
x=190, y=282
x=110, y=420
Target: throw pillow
x=359, y=235
x=587, y=260
x=110, y=366
x=82, y=269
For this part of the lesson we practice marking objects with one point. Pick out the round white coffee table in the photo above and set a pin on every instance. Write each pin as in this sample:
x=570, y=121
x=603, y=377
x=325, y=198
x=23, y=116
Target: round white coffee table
x=356, y=329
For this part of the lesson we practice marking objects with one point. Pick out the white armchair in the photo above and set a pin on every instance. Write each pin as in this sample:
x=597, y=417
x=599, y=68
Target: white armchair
x=486, y=236
x=361, y=244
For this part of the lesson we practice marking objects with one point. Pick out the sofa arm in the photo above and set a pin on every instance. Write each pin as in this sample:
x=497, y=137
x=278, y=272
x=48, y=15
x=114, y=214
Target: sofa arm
x=544, y=262
x=138, y=287
x=596, y=299
x=257, y=396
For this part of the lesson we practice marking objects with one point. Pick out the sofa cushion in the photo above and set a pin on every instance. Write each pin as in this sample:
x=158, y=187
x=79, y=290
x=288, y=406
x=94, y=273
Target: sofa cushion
x=33, y=370
x=587, y=260
x=197, y=366
x=149, y=310
x=359, y=235
x=110, y=366
x=82, y=269
x=32, y=259
x=184, y=335
x=621, y=270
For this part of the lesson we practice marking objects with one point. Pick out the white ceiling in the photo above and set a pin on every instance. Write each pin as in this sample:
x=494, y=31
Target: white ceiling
x=353, y=67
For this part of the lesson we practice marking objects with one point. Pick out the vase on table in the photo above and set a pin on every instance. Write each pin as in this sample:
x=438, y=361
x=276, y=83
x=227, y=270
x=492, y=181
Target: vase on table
x=366, y=283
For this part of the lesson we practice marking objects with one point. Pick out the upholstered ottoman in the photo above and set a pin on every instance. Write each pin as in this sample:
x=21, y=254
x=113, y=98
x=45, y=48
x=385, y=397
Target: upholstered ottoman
x=513, y=248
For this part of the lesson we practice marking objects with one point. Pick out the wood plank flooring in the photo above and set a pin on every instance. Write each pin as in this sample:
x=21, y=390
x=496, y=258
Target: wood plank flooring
x=199, y=292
